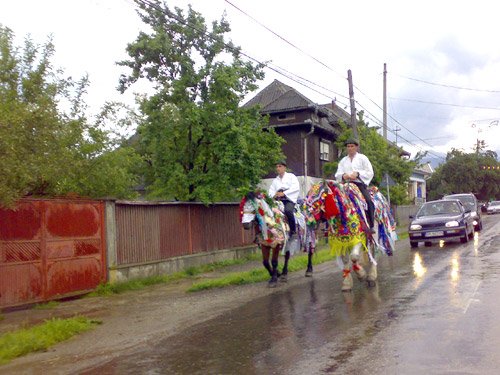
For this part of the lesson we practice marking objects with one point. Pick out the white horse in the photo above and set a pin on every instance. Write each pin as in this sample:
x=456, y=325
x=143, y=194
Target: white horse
x=343, y=207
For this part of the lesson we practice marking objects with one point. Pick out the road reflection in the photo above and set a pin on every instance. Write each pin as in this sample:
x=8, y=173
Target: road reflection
x=454, y=268
x=418, y=268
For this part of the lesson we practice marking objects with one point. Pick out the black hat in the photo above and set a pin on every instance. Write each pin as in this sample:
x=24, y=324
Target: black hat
x=281, y=162
x=351, y=141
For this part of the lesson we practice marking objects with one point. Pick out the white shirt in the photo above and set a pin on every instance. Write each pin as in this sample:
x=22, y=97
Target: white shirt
x=289, y=184
x=359, y=163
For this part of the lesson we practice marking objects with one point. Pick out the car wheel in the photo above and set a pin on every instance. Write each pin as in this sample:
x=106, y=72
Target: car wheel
x=428, y=243
x=413, y=243
x=465, y=238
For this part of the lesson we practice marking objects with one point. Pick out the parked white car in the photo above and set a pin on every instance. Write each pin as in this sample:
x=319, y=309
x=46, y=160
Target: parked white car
x=493, y=207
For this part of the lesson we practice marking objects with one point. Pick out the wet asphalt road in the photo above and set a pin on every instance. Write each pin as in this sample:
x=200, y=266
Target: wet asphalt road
x=435, y=310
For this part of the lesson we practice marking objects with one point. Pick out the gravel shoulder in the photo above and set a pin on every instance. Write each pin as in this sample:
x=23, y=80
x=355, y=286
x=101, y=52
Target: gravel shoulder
x=134, y=318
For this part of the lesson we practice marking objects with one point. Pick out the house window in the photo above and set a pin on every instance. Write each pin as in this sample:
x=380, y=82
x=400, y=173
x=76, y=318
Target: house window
x=288, y=116
x=324, y=150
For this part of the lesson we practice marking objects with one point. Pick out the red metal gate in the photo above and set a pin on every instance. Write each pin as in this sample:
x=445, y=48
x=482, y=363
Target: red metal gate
x=50, y=249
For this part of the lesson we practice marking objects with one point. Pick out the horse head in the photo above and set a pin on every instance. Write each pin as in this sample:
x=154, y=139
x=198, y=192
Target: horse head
x=247, y=211
x=259, y=211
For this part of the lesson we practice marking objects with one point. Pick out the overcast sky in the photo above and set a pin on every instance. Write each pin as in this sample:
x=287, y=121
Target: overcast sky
x=442, y=57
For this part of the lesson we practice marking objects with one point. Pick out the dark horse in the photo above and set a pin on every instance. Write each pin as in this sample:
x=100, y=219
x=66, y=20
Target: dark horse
x=266, y=216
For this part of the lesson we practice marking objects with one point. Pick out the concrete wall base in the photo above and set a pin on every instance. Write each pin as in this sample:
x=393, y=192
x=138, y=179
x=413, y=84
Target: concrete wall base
x=127, y=272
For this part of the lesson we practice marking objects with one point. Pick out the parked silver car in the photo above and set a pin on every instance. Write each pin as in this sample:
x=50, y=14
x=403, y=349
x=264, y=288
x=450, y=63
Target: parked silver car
x=493, y=207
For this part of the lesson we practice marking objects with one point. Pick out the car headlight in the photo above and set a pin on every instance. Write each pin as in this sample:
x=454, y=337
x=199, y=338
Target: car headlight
x=415, y=227
x=453, y=223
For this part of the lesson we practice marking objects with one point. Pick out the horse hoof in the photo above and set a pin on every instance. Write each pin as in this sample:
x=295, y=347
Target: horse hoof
x=346, y=290
x=283, y=278
x=272, y=283
x=309, y=273
x=371, y=283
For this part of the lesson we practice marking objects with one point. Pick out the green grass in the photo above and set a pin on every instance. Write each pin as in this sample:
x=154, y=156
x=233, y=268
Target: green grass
x=41, y=337
x=403, y=235
x=48, y=305
x=191, y=273
x=295, y=264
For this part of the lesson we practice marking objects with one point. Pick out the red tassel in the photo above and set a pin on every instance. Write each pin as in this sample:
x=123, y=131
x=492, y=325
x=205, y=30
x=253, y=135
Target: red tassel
x=346, y=273
x=331, y=208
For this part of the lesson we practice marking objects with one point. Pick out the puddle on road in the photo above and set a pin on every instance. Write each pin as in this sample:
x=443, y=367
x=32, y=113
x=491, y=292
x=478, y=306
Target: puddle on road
x=267, y=335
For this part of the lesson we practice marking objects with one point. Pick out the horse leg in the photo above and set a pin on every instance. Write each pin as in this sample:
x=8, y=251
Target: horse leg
x=372, y=275
x=309, y=271
x=265, y=259
x=356, y=262
x=347, y=282
x=284, y=273
x=275, y=273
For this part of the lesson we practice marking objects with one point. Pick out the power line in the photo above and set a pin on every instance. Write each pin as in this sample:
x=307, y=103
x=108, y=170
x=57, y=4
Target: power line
x=446, y=104
x=315, y=59
x=276, y=68
x=443, y=85
x=284, y=39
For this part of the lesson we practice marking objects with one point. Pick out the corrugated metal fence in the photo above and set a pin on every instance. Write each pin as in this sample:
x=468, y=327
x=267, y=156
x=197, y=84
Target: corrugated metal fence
x=149, y=231
x=53, y=248
x=50, y=249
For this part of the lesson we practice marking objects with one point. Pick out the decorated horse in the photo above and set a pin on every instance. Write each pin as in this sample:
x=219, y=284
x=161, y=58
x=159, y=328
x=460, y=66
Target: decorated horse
x=266, y=216
x=343, y=207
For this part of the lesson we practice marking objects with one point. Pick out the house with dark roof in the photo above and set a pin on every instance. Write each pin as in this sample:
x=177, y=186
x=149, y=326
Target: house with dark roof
x=309, y=130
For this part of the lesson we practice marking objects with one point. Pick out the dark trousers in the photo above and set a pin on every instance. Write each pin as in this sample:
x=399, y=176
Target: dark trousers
x=289, y=209
x=371, y=208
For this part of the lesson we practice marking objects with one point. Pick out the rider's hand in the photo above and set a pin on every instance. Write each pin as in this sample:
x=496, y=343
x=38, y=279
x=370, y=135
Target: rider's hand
x=349, y=177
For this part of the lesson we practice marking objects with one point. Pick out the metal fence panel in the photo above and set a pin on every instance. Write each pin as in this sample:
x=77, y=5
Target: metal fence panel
x=50, y=249
x=149, y=231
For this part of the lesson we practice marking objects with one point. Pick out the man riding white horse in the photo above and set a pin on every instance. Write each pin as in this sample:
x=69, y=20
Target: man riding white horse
x=356, y=168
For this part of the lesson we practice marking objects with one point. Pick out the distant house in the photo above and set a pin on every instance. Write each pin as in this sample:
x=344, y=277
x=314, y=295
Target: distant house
x=417, y=191
x=309, y=130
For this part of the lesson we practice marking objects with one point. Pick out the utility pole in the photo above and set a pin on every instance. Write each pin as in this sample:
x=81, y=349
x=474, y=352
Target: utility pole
x=385, y=102
x=354, y=123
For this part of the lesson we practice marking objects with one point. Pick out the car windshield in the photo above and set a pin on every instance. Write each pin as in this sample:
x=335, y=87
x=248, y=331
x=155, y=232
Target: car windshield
x=439, y=208
x=494, y=204
x=467, y=201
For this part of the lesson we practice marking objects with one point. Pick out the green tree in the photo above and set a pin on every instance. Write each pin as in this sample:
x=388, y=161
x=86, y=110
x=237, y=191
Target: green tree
x=385, y=158
x=199, y=144
x=45, y=150
x=463, y=173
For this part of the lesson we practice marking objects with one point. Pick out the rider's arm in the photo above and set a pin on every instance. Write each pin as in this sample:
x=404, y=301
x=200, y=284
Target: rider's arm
x=340, y=171
x=365, y=170
x=272, y=189
x=293, y=189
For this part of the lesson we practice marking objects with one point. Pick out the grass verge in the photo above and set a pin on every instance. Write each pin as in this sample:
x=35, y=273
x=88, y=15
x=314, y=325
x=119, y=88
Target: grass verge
x=41, y=337
x=192, y=272
x=48, y=305
x=296, y=263
x=403, y=235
